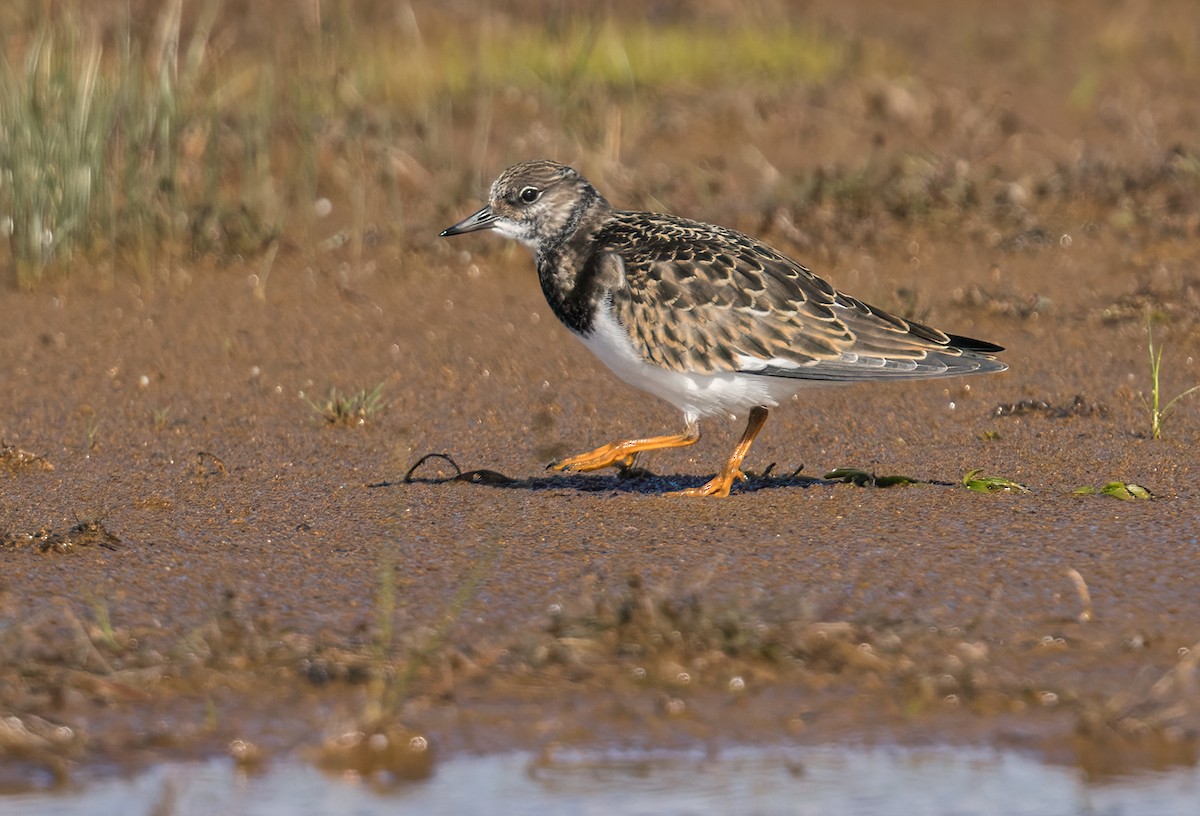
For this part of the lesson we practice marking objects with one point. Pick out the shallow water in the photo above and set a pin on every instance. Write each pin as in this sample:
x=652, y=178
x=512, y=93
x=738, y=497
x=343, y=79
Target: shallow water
x=872, y=782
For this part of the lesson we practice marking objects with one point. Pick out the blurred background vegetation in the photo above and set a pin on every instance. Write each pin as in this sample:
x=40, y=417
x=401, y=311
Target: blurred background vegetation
x=137, y=137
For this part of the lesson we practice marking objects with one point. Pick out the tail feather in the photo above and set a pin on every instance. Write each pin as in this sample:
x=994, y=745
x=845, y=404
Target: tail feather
x=971, y=344
x=964, y=355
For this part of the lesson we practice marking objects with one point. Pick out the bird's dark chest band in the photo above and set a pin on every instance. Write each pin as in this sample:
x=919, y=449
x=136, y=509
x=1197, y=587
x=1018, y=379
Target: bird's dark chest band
x=573, y=289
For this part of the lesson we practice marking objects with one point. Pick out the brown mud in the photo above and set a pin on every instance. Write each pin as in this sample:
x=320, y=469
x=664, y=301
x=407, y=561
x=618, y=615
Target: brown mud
x=195, y=561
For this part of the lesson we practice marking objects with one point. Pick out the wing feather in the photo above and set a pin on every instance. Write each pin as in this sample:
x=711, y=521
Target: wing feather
x=702, y=298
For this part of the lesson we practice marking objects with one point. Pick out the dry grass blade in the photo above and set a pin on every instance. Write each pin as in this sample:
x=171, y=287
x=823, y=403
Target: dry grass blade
x=1159, y=415
x=1085, y=597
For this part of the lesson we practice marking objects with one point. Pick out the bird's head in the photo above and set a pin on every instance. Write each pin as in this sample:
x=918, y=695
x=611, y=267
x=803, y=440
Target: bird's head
x=539, y=203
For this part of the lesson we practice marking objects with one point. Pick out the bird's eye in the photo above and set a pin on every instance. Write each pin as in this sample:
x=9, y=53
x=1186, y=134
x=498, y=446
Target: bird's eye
x=530, y=194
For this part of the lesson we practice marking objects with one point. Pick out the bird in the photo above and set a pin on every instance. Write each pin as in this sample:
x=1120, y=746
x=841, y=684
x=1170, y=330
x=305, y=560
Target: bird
x=708, y=319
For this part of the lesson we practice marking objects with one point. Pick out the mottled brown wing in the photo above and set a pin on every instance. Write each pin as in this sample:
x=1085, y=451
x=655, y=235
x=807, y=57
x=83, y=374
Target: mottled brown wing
x=702, y=298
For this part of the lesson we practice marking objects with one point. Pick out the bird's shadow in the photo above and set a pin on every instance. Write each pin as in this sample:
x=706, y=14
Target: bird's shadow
x=628, y=480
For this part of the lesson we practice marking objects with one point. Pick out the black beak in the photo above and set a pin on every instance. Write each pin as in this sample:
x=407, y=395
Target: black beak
x=484, y=219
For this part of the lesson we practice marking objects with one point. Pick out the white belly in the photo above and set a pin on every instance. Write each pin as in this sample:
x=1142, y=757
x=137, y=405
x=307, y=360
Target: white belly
x=695, y=394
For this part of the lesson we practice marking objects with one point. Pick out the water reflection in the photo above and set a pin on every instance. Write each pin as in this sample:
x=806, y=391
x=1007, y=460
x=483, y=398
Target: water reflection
x=873, y=782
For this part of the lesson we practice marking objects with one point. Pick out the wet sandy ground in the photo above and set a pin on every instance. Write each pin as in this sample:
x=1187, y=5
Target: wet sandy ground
x=193, y=556
x=251, y=545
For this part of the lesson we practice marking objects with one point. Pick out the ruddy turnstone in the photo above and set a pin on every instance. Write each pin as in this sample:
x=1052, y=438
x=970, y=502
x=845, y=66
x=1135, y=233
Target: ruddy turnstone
x=704, y=317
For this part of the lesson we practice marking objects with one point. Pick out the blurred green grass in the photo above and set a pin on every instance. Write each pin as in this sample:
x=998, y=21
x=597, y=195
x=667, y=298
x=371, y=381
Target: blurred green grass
x=104, y=141
x=138, y=136
x=142, y=143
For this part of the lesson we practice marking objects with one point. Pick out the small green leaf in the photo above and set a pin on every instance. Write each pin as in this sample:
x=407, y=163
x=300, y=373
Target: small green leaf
x=1139, y=492
x=991, y=484
x=1118, y=490
x=1126, y=492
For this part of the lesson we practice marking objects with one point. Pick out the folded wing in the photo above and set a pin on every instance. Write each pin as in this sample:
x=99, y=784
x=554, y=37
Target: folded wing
x=703, y=298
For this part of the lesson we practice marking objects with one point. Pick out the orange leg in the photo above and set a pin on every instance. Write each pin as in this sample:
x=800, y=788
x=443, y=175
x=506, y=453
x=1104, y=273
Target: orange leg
x=622, y=454
x=719, y=485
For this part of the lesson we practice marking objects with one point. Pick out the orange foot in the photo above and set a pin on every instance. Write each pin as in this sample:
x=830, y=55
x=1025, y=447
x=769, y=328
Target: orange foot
x=719, y=485
x=623, y=454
